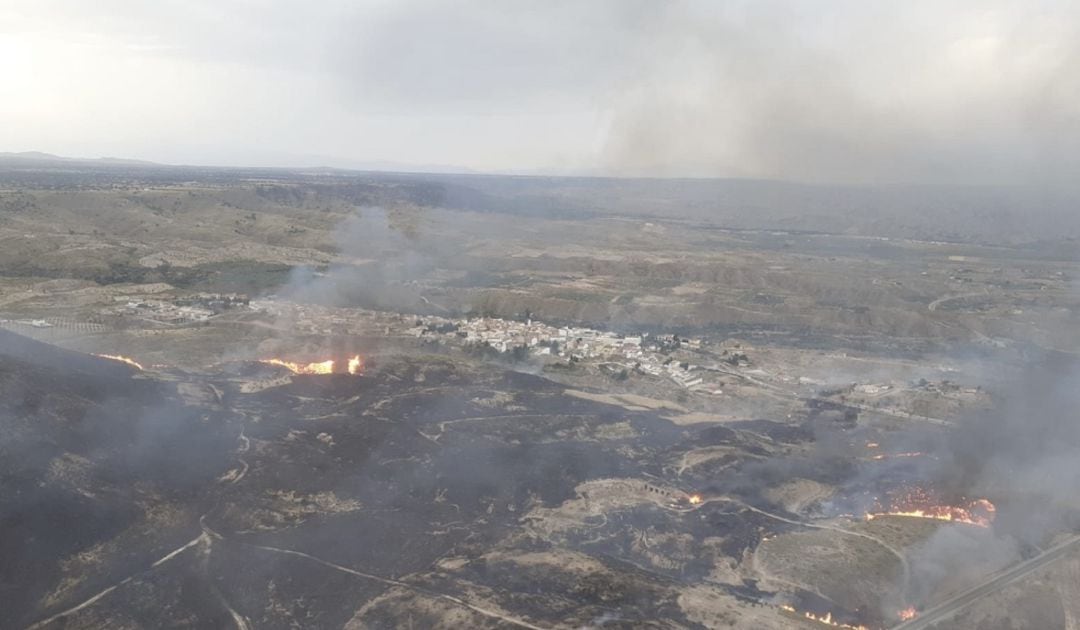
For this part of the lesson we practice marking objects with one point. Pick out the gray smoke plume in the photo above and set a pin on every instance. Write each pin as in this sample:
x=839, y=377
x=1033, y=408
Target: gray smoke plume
x=1025, y=451
x=381, y=253
x=941, y=92
x=1024, y=455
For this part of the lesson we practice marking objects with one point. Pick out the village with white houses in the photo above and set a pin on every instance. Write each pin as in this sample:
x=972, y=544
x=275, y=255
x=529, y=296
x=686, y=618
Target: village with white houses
x=617, y=354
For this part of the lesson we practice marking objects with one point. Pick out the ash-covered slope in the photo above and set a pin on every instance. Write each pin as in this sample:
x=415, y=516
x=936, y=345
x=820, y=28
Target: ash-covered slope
x=98, y=471
x=443, y=493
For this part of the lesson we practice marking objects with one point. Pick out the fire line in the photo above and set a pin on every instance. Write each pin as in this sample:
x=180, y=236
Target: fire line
x=122, y=359
x=355, y=365
x=825, y=619
x=979, y=512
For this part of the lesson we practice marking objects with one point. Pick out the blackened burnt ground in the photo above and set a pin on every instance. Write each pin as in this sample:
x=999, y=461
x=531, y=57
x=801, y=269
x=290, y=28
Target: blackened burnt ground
x=427, y=491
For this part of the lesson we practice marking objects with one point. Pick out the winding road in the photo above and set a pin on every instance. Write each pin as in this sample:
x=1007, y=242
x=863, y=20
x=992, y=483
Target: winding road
x=840, y=530
x=933, y=306
x=896, y=552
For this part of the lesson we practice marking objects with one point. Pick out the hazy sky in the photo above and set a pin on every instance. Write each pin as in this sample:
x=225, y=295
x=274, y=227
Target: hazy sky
x=844, y=90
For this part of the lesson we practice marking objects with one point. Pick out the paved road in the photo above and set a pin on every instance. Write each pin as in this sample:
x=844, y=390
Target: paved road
x=950, y=607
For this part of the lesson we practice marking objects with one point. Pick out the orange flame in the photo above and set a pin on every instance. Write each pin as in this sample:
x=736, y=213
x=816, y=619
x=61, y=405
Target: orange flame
x=694, y=499
x=355, y=366
x=979, y=512
x=122, y=359
x=908, y=613
x=825, y=619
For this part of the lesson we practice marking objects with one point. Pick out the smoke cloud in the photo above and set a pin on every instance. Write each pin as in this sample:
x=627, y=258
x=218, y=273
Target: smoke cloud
x=1027, y=446
x=382, y=253
x=844, y=91
x=859, y=92
x=1022, y=454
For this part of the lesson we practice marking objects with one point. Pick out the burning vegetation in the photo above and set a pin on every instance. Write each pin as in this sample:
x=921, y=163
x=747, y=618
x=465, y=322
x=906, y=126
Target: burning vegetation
x=825, y=619
x=908, y=613
x=122, y=359
x=918, y=503
x=355, y=365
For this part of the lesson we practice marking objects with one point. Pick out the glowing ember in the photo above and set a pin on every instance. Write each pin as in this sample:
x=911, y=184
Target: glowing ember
x=355, y=366
x=122, y=359
x=908, y=613
x=694, y=499
x=825, y=619
x=881, y=456
x=872, y=445
x=919, y=504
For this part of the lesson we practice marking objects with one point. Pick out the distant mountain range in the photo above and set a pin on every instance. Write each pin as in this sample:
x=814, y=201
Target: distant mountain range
x=39, y=156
